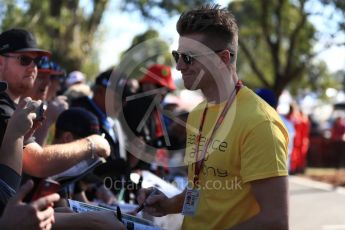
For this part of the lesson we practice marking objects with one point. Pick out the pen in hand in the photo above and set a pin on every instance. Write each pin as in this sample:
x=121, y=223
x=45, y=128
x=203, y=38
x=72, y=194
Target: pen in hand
x=142, y=206
x=118, y=213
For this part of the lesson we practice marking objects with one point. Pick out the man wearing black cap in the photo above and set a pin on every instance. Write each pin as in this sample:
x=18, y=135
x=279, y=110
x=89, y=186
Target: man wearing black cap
x=19, y=56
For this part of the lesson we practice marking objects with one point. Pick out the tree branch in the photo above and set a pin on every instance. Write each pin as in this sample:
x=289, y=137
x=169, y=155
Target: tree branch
x=253, y=63
x=273, y=44
x=264, y=24
x=96, y=16
x=297, y=71
x=293, y=38
x=278, y=12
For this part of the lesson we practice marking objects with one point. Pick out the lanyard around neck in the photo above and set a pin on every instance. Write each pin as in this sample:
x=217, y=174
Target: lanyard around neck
x=200, y=162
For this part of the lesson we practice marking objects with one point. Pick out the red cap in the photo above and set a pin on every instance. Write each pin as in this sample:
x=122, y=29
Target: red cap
x=160, y=75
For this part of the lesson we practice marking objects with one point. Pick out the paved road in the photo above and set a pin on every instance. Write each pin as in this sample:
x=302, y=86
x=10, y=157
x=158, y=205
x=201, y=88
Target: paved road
x=316, y=206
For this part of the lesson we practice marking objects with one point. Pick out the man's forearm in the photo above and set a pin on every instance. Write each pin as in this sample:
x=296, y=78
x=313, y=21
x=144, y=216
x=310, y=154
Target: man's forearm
x=274, y=212
x=11, y=152
x=53, y=159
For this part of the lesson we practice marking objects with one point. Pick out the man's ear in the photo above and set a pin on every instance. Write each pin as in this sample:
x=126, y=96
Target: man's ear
x=225, y=57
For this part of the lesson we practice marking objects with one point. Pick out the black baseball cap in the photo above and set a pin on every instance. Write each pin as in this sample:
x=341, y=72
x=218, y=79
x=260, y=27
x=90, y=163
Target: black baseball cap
x=111, y=79
x=3, y=86
x=103, y=79
x=78, y=121
x=19, y=40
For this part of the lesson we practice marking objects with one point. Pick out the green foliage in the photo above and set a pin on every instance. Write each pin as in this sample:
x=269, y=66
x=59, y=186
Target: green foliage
x=276, y=39
x=11, y=13
x=276, y=42
x=152, y=9
x=69, y=30
x=61, y=27
x=146, y=49
x=317, y=79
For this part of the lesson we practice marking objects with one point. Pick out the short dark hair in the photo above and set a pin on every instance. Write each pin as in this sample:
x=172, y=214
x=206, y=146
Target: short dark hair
x=79, y=121
x=218, y=24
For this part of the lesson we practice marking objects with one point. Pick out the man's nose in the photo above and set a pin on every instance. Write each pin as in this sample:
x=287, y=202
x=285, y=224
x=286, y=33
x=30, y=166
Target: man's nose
x=32, y=68
x=181, y=65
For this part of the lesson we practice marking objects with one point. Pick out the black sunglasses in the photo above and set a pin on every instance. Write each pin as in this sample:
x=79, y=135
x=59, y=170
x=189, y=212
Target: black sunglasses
x=24, y=60
x=188, y=58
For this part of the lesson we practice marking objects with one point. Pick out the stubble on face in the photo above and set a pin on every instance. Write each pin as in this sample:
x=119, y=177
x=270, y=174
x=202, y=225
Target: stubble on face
x=20, y=79
x=199, y=74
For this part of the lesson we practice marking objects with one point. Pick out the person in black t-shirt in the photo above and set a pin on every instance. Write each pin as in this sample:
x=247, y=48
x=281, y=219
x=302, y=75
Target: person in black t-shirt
x=19, y=56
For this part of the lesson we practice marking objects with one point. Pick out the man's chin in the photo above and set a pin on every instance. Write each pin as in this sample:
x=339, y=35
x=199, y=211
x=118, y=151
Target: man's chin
x=190, y=86
x=26, y=88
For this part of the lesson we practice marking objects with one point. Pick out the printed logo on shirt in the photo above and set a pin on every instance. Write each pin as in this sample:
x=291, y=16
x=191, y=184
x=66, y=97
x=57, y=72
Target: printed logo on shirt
x=215, y=145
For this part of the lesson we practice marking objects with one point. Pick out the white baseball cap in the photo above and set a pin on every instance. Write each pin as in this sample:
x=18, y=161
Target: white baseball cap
x=75, y=77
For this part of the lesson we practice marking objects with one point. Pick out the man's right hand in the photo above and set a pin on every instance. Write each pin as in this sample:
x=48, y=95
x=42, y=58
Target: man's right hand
x=101, y=145
x=157, y=204
x=22, y=119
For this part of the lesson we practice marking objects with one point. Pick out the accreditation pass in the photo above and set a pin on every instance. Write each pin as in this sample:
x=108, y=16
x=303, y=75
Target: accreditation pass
x=191, y=201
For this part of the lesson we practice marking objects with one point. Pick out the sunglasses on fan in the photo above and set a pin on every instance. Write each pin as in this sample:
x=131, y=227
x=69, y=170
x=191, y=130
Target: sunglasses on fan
x=23, y=59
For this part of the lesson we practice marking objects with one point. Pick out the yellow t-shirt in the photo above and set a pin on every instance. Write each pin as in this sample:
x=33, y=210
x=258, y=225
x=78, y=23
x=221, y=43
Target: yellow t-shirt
x=251, y=144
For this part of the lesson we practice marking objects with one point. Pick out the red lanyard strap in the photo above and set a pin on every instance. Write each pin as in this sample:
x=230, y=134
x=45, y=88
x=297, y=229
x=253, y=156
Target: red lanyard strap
x=200, y=162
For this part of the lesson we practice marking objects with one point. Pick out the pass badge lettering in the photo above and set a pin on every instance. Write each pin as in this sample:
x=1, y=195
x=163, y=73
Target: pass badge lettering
x=191, y=201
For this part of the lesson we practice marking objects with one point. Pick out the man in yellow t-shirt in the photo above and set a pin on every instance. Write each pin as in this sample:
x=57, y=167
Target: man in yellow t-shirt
x=251, y=145
x=236, y=148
